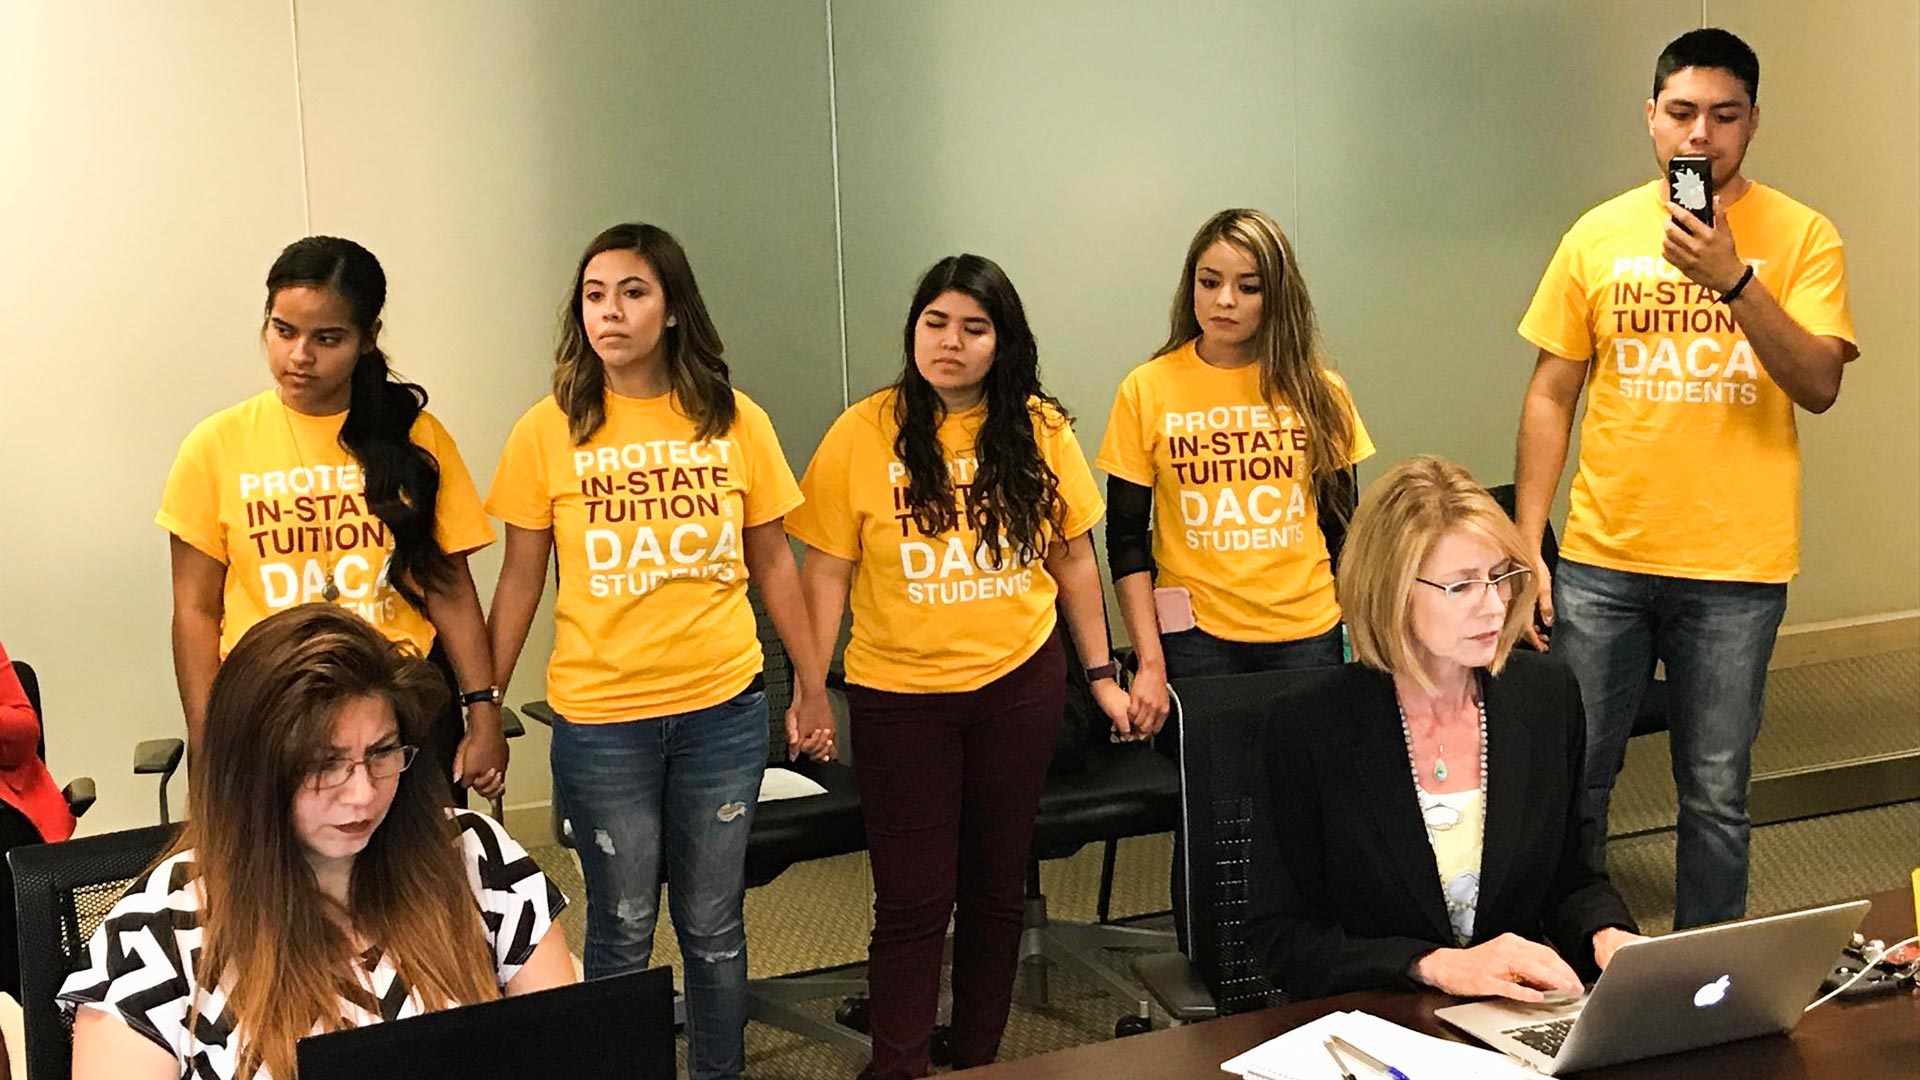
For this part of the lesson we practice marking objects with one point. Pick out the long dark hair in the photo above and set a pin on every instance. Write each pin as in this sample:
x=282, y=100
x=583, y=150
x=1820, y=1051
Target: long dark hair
x=270, y=721
x=1014, y=497
x=701, y=387
x=402, y=478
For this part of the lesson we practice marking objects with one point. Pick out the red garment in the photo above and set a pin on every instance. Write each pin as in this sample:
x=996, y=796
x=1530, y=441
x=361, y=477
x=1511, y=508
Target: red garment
x=25, y=783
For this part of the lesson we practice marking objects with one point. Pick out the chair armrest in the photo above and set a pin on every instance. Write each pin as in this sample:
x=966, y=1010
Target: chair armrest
x=539, y=712
x=80, y=795
x=1176, y=986
x=510, y=725
x=158, y=756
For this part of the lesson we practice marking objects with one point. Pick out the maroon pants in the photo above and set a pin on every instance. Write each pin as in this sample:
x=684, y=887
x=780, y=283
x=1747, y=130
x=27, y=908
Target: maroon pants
x=950, y=784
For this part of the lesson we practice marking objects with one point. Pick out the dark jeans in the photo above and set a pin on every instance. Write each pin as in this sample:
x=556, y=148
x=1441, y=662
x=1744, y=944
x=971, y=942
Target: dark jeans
x=684, y=785
x=1195, y=652
x=449, y=725
x=950, y=784
x=1715, y=638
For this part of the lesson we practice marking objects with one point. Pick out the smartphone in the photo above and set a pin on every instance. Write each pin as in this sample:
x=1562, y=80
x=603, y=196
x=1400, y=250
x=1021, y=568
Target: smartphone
x=1173, y=606
x=1690, y=179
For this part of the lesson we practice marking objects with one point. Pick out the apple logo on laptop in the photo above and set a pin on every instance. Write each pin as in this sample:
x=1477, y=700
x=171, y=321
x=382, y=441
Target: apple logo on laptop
x=1711, y=994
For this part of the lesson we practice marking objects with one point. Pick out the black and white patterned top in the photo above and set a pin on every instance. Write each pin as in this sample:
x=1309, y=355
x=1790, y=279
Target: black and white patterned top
x=141, y=961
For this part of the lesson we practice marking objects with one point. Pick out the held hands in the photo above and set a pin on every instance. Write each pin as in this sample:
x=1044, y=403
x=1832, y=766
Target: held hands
x=810, y=723
x=1607, y=941
x=1147, y=704
x=1509, y=966
x=1114, y=702
x=1704, y=253
x=480, y=761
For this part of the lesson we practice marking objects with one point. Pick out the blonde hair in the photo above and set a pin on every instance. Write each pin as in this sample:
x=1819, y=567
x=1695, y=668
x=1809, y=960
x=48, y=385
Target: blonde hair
x=1293, y=372
x=1401, y=517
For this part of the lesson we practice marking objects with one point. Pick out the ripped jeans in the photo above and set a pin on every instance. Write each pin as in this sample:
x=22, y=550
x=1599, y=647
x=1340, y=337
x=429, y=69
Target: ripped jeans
x=684, y=785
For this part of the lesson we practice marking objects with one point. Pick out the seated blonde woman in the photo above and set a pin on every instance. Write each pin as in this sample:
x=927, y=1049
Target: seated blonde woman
x=1423, y=823
x=320, y=883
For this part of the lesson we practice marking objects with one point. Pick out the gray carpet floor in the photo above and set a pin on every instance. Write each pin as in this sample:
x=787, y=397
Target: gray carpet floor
x=819, y=914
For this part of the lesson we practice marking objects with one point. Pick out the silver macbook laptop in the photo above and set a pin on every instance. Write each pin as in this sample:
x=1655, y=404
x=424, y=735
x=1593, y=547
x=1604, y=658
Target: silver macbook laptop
x=1685, y=990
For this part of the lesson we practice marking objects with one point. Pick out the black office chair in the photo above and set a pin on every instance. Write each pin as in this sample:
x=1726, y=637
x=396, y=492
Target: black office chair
x=1652, y=716
x=79, y=792
x=785, y=832
x=1098, y=792
x=161, y=757
x=1219, y=756
x=62, y=892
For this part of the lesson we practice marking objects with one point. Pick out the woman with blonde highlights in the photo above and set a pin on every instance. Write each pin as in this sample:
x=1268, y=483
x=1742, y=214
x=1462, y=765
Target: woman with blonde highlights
x=320, y=883
x=1230, y=461
x=1422, y=823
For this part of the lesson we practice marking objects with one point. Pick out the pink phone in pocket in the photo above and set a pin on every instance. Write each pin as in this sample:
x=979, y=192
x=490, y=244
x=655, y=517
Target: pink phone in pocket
x=1174, y=608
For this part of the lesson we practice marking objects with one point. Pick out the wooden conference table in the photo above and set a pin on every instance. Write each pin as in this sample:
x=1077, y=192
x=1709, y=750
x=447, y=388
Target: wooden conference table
x=1875, y=1037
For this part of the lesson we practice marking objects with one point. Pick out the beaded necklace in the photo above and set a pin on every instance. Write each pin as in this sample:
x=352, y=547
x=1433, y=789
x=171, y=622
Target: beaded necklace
x=1440, y=818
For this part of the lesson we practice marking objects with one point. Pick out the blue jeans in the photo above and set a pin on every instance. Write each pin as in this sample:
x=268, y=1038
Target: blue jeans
x=1195, y=652
x=1715, y=638
x=684, y=785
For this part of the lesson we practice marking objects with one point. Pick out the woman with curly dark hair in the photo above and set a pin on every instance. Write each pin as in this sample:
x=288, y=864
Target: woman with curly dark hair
x=955, y=505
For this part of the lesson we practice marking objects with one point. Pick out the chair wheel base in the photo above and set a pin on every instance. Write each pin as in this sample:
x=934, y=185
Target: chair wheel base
x=851, y=1013
x=1131, y=1025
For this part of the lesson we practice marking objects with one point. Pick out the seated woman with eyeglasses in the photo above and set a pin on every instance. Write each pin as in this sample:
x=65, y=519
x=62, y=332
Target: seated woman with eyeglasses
x=1422, y=822
x=320, y=884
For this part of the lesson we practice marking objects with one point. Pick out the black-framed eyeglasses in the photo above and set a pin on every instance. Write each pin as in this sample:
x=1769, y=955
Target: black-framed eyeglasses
x=382, y=763
x=1502, y=586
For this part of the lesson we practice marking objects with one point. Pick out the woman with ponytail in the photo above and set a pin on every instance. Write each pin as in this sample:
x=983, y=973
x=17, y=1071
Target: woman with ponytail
x=658, y=490
x=335, y=485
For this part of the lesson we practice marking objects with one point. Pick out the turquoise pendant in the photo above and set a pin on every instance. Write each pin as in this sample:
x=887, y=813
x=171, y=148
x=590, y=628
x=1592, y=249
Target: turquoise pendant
x=1440, y=769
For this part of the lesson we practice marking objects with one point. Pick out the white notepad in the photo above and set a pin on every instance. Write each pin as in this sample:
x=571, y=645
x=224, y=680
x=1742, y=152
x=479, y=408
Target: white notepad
x=1301, y=1054
x=777, y=783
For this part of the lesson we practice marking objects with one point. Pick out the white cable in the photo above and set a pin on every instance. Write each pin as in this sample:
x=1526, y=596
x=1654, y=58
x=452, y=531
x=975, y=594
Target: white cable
x=300, y=120
x=1862, y=973
x=839, y=244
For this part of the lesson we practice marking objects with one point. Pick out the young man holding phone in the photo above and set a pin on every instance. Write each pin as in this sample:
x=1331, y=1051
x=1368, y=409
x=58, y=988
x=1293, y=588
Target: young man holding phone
x=1695, y=332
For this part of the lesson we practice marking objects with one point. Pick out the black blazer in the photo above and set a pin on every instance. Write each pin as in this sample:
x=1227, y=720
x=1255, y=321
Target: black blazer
x=1345, y=891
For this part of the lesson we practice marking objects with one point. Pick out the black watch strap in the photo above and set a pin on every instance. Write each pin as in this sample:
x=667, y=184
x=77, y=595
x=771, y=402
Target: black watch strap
x=484, y=695
x=1108, y=670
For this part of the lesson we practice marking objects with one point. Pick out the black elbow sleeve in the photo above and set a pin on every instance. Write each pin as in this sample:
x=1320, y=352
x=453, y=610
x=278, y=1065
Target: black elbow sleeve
x=1129, y=524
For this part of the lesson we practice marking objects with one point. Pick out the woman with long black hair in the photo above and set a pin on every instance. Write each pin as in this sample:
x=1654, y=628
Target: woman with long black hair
x=955, y=505
x=334, y=485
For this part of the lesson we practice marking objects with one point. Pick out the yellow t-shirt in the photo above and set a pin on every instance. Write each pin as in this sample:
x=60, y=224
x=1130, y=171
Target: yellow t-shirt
x=932, y=614
x=1233, y=516
x=272, y=494
x=1689, y=458
x=651, y=616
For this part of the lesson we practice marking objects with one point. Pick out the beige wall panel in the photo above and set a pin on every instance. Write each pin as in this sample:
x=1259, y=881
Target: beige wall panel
x=1839, y=130
x=477, y=148
x=1444, y=149
x=1079, y=144
x=151, y=175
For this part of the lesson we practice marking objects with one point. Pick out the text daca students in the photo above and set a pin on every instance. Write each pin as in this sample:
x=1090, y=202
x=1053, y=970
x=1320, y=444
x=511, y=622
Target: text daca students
x=320, y=883
x=335, y=485
x=660, y=489
x=1230, y=461
x=1693, y=344
x=955, y=504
